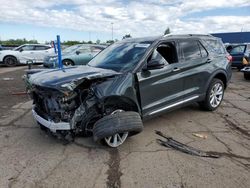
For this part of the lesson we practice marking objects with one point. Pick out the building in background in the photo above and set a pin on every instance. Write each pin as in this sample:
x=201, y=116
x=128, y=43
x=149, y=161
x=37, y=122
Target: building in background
x=236, y=37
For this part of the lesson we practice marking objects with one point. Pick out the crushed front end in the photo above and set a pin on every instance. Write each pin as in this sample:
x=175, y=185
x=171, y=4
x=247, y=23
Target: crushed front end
x=65, y=111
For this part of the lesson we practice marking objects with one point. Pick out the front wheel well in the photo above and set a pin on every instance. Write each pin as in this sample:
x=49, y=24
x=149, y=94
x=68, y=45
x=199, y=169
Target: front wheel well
x=9, y=56
x=122, y=103
x=222, y=77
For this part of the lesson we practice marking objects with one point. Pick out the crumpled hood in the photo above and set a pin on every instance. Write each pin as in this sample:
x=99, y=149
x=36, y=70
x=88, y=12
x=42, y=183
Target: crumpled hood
x=59, y=78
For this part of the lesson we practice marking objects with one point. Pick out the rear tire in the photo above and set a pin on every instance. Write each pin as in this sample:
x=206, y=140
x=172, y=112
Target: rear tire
x=214, y=95
x=247, y=76
x=10, y=61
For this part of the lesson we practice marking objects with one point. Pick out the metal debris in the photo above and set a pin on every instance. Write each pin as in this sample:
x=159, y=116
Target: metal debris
x=19, y=93
x=200, y=135
x=174, y=144
x=7, y=79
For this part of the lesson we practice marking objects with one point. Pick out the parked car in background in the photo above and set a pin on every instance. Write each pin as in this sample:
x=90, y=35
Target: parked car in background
x=246, y=72
x=240, y=54
x=79, y=54
x=20, y=55
x=130, y=80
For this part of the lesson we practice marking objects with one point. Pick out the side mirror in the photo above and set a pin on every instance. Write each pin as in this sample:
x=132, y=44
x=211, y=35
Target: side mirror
x=154, y=64
x=21, y=50
x=78, y=52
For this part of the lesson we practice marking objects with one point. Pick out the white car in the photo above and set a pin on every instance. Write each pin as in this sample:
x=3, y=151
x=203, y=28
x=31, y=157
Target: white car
x=20, y=55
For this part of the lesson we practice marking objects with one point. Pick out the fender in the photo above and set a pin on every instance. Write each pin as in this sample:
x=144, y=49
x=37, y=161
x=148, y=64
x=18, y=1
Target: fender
x=217, y=72
x=121, y=86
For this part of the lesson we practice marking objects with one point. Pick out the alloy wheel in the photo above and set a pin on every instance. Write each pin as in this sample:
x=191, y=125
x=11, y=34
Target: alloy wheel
x=118, y=138
x=216, y=95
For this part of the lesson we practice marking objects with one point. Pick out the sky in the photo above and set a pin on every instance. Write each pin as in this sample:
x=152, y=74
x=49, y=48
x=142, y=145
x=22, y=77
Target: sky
x=93, y=19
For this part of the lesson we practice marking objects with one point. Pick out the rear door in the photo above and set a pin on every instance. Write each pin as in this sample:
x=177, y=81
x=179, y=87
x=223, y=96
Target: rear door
x=161, y=89
x=41, y=52
x=195, y=65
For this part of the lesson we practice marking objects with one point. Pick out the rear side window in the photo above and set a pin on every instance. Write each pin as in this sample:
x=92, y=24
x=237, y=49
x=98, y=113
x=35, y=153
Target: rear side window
x=192, y=49
x=214, y=46
x=41, y=48
x=238, y=49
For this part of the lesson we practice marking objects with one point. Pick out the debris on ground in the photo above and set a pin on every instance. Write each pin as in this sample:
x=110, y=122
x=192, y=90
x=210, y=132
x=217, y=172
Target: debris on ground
x=174, y=144
x=7, y=79
x=19, y=93
x=200, y=135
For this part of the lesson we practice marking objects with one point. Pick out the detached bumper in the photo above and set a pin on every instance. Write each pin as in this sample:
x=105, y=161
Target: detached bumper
x=50, y=124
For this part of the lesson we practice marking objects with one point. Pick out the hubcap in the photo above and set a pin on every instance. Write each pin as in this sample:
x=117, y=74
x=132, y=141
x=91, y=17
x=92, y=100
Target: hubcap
x=216, y=95
x=67, y=63
x=10, y=61
x=118, y=138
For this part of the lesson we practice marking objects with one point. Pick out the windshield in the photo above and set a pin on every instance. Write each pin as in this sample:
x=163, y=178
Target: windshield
x=121, y=56
x=71, y=49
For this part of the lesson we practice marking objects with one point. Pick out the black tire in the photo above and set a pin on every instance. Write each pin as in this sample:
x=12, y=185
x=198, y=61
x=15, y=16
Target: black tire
x=10, y=61
x=206, y=104
x=247, y=76
x=117, y=123
x=68, y=62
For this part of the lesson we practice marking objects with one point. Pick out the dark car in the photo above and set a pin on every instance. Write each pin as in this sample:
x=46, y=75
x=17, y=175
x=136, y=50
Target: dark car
x=238, y=52
x=131, y=80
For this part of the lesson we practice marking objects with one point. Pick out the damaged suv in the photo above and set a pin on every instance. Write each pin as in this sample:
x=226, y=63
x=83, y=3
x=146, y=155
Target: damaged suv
x=128, y=82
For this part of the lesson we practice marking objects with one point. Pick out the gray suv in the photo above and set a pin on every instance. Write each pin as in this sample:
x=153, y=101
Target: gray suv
x=130, y=81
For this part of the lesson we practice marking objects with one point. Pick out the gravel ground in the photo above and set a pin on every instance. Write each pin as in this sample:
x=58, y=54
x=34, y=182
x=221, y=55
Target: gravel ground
x=32, y=158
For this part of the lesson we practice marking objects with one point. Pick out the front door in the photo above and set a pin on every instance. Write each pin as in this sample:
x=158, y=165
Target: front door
x=161, y=89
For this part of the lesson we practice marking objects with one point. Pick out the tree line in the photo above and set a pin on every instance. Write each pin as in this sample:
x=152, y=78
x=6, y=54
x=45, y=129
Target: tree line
x=17, y=42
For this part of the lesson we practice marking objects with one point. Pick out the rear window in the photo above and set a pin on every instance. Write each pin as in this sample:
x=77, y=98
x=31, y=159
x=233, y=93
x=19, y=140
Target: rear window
x=214, y=46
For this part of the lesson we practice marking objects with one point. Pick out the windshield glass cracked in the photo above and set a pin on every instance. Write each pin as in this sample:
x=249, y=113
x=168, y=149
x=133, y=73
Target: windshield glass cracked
x=121, y=56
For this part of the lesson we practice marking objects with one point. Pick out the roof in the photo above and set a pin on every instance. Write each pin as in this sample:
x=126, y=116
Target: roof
x=236, y=37
x=152, y=39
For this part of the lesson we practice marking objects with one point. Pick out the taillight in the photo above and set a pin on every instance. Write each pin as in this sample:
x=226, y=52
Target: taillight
x=229, y=58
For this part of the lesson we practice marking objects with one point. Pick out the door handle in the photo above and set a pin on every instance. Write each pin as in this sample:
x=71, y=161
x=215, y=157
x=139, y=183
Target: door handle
x=31, y=52
x=209, y=61
x=176, y=69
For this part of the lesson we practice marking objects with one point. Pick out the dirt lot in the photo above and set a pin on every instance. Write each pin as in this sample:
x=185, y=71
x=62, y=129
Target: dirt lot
x=31, y=158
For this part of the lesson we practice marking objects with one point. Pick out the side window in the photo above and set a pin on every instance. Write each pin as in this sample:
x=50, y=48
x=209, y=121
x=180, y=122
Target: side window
x=95, y=49
x=28, y=48
x=40, y=48
x=215, y=46
x=238, y=49
x=84, y=49
x=190, y=49
x=166, y=53
x=203, y=51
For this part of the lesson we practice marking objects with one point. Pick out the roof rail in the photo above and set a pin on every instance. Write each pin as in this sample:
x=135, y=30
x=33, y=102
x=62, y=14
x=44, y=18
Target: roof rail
x=196, y=35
